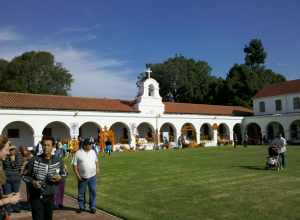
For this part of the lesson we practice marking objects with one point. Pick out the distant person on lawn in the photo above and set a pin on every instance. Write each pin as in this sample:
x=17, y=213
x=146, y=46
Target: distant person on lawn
x=85, y=164
x=245, y=140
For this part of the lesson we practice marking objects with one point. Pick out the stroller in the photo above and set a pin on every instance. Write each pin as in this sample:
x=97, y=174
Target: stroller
x=273, y=161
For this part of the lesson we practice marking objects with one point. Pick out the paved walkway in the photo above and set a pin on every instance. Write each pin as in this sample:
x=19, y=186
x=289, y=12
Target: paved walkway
x=69, y=212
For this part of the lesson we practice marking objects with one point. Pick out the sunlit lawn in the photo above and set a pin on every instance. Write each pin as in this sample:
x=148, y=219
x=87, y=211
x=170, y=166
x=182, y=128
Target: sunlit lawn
x=206, y=183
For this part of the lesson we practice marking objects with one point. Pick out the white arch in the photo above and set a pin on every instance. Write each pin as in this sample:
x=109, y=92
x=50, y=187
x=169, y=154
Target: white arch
x=273, y=128
x=24, y=136
x=174, y=138
x=295, y=131
x=227, y=131
x=57, y=132
x=210, y=135
x=189, y=135
x=144, y=132
x=120, y=137
x=89, y=129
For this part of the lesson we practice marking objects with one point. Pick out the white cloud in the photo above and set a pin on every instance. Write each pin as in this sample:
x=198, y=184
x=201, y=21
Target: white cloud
x=8, y=34
x=94, y=75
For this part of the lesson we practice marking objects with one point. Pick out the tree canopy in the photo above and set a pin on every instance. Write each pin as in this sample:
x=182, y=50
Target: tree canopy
x=35, y=72
x=255, y=53
x=181, y=79
x=187, y=80
x=245, y=80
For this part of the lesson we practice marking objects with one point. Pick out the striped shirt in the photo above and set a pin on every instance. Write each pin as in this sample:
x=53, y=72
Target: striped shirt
x=42, y=170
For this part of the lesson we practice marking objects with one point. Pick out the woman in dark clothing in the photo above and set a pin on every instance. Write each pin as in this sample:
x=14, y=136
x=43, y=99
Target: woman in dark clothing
x=12, y=198
x=12, y=166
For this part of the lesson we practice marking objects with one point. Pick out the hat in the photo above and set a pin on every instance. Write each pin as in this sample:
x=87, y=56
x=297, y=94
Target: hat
x=11, y=147
x=87, y=141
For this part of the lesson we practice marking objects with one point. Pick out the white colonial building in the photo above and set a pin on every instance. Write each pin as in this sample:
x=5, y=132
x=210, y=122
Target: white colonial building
x=276, y=110
x=25, y=118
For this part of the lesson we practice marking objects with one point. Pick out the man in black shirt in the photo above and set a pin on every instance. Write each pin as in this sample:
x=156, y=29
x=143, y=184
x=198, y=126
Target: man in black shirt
x=43, y=173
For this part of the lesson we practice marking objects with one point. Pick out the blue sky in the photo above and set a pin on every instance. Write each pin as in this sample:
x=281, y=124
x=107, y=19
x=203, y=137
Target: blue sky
x=105, y=44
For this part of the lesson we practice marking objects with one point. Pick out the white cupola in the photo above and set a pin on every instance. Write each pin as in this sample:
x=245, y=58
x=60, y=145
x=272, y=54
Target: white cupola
x=148, y=100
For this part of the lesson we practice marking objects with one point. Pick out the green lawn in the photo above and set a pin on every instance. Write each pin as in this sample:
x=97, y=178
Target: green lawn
x=206, y=183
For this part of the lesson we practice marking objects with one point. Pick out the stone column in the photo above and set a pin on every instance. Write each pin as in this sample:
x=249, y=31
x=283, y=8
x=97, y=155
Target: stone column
x=37, y=138
x=215, y=137
x=198, y=136
x=231, y=134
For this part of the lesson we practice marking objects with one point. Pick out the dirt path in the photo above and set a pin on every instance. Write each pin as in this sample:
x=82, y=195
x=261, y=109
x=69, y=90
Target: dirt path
x=69, y=213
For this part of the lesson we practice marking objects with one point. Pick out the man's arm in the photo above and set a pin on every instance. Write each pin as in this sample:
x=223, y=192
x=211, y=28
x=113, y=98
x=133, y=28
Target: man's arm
x=76, y=171
x=97, y=168
x=75, y=166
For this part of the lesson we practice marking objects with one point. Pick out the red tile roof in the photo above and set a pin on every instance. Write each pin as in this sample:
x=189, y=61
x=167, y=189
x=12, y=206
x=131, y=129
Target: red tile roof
x=202, y=109
x=55, y=102
x=288, y=87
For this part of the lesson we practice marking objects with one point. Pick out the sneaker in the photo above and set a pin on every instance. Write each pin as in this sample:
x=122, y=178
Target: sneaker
x=93, y=211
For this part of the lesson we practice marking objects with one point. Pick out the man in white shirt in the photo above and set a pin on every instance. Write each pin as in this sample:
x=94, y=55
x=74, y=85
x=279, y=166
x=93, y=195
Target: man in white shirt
x=85, y=164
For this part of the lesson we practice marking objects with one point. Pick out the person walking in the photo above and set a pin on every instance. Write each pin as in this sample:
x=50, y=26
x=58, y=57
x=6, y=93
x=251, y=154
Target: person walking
x=280, y=141
x=59, y=194
x=86, y=167
x=43, y=173
x=12, y=166
x=11, y=198
x=245, y=140
x=235, y=140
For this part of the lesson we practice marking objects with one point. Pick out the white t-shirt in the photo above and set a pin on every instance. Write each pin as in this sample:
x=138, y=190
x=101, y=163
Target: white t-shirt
x=86, y=163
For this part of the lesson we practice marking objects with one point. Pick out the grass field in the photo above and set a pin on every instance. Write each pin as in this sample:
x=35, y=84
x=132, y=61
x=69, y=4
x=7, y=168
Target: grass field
x=206, y=183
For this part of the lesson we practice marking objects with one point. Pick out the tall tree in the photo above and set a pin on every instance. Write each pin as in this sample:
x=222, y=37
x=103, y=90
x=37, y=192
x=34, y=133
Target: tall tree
x=36, y=72
x=3, y=69
x=181, y=79
x=255, y=53
x=245, y=80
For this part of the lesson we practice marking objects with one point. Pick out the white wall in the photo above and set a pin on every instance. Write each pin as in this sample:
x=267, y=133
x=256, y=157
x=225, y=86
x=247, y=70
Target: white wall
x=287, y=104
x=39, y=119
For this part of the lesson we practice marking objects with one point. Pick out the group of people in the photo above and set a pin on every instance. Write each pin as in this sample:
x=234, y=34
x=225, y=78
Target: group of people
x=43, y=173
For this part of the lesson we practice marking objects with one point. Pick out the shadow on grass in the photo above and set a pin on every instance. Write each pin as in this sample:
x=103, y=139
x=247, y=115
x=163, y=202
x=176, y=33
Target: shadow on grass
x=252, y=167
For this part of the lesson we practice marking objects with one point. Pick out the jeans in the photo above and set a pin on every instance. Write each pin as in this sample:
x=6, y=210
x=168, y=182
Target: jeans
x=91, y=184
x=12, y=186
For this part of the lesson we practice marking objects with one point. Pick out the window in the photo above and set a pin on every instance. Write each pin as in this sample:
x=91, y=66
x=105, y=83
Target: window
x=13, y=133
x=151, y=90
x=262, y=107
x=296, y=102
x=278, y=105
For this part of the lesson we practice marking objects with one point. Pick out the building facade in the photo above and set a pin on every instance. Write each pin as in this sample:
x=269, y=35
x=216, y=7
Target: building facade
x=146, y=121
x=276, y=110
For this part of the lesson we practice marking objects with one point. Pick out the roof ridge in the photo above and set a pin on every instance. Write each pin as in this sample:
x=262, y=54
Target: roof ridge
x=206, y=104
x=63, y=96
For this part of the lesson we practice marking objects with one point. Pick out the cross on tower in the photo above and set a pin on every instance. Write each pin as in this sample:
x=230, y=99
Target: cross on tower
x=149, y=71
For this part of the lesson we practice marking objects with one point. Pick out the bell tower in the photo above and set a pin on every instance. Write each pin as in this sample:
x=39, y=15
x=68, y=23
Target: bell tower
x=148, y=100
